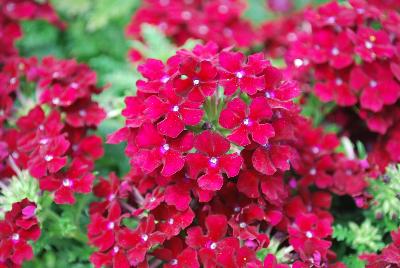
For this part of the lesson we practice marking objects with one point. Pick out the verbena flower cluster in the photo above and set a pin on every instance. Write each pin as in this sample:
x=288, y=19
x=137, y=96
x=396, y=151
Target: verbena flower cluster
x=349, y=53
x=225, y=171
x=221, y=162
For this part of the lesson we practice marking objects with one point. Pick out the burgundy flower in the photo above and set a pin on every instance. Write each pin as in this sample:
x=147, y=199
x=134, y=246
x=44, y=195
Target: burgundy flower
x=176, y=112
x=245, y=121
x=212, y=159
x=235, y=73
x=175, y=254
x=196, y=80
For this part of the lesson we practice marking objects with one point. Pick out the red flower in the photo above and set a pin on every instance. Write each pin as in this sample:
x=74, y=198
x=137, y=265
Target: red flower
x=175, y=254
x=377, y=84
x=245, y=121
x=212, y=159
x=307, y=236
x=18, y=227
x=156, y=150
x=372, y=44
x=236, y=74
x=176, y=111
x=172, y=221
x=196, y=80
x=75, y=180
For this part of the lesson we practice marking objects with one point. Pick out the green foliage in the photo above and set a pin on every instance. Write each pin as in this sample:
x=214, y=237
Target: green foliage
x=361, y=238
x=386, y=201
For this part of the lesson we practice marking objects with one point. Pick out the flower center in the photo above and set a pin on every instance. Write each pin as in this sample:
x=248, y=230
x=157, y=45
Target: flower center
x=331, y=20
x=165, y=148
x=246, y=122
x=44, y=141
x=67, y=183
x=110, y=225
x=152, y=199
x=236, y=209
x=196, y=82
x=171, y=221
x=335, y=51
x=13, y=80
x=15, y=155
x=313, y=171
x=186, y=15
x=82, y=113
x=338, y=81
x=74, y=85
x=175, y=108
x=174, y=262
x=111, y=197
x=213, y=161
x=373, y=83
x=115, y=249
x=223, y=9
x=213, y=245
x=242, y=225
x=309, y=234
x=56, y=101
x=15, y=237
x=203, y=29
x=240, y=74
x=368, y=44
x=144, y=237
x=315, y=149
x=269, y=94
x=298, y=62
x=48, y=158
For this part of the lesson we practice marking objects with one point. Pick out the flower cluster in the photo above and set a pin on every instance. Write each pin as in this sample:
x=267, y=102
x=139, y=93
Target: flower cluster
x=222, y=162
x=350, y=55
x=19, y=226
x=219, y=21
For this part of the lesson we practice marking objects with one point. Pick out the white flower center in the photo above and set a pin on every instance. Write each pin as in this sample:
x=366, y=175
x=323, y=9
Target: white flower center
x=111, y=197
x=13, y=80
x=15, y=237
x=373, y=83
x=43, y=141
x=152, y=199
x=309, y=234
x=74, y=85
x=315, y=149
x=246, y=121
x=110, y=225
x=335, y=51
x=115, y=249
x=213, y=245
x=331, y=20
x=144, y=237
x=368, y=44
x=236, y=209
x=313, y=171
x=298, y=62
x=15, y=155
x=56, y=74
x=174, y=262
x=240, y=74
x=82, y=113
x=171, y=221
x=175, y=108
x=196, y=82
x=48, y=158
x=67, y=183
x=242, y=225
x=213, y=161
x=56, y=101
x=338, y=81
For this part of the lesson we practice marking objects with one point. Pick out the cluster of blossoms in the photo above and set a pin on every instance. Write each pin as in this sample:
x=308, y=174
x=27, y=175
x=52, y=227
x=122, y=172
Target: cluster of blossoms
x=218, y=20
x=46, y=114
x=222, y=164
x=349, y=55
x=19, y=226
